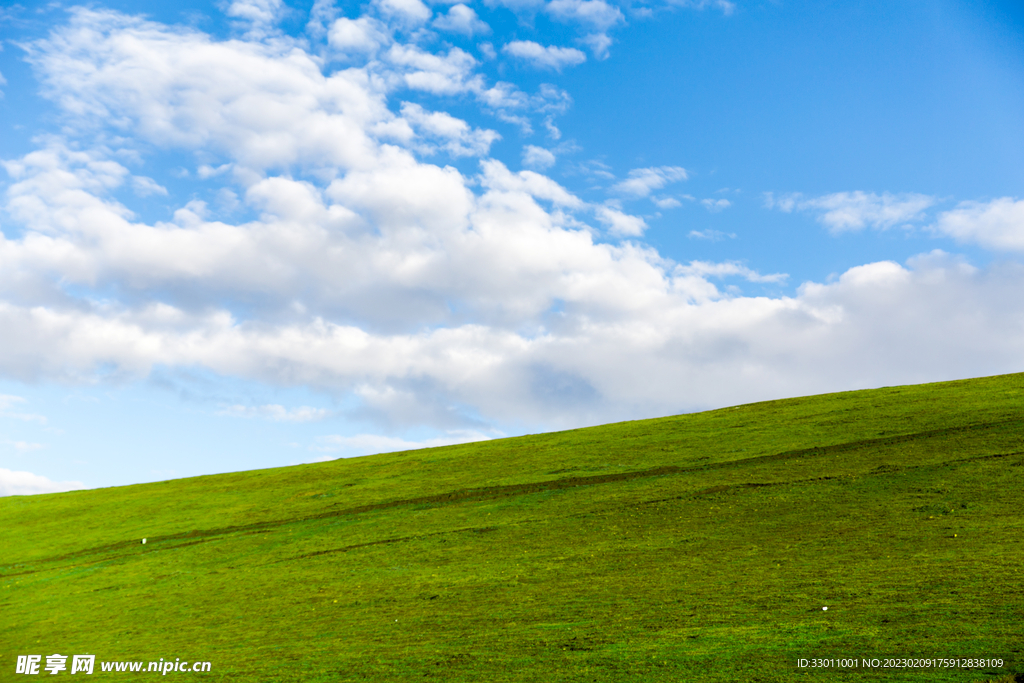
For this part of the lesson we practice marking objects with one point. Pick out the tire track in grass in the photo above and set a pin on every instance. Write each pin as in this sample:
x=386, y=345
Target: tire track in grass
x=510, y=490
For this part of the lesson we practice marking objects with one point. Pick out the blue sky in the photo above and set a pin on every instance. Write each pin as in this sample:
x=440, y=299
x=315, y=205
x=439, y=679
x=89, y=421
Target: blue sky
x=254, y=233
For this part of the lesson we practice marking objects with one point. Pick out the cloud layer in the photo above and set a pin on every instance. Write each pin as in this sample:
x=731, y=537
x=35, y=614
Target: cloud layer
x=14, y=483
x=328, y=239
x=549, y=57
x=996, y=225
x=849, y=211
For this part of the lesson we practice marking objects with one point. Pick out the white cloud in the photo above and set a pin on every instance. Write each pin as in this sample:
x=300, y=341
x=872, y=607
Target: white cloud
x=997, y=224
x=459, y=139
x=551, y=57
x=846, y=211
x=619, y=223
x=666, y=202
x=321, y=15
x=510, y=103
x=704, y=269
x=461, y=19
x=368, y=444
x=265, y=105
x=642, y=181
x=726, y=7
x=712, y=235
x=256, y=11
x=594, y=14
x=537, y=157
x=553, y=132
x=428, y=296
x=632, y=337
x=598, y=44
x=14, y=483
x=497, y=177
x=715, y=205
x=404, y=13
x=364, y=35
x=277, y=413
x=205, y=172
x=258, y=16
x=597, y=169
x=447, y=74
x=145, y=187
x=487, y=50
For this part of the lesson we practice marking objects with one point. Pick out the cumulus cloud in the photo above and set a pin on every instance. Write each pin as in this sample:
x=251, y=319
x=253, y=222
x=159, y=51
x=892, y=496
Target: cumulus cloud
x=666, y=202
x=364, y=35
x=641, y=182
x=514, y=187
x=258, y=17
x=457, y=137
x=596, y=14
x=537, y=157
x=592, y=19
x=321, y=14
x=619, y=223
x=630, y=340
x=598, y=44
x=404, y=13
x=145, y=187
x=511, y=104
x=551, y=57
x=256, y=11
x=487, y=50
x=446, y=74
x=264, y=104
x=14, y=483
x=997, y=224
x=848, y=211
x=461, y=19
x=432, y=296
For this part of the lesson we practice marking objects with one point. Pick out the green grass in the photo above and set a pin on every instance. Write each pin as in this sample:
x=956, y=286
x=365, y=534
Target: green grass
x=697, y=547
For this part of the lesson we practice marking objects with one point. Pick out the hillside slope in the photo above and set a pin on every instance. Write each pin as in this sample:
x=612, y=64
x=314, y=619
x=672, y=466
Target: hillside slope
x=692, y=547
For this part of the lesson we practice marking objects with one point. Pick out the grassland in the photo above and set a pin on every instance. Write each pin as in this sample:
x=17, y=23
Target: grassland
x=697, y=547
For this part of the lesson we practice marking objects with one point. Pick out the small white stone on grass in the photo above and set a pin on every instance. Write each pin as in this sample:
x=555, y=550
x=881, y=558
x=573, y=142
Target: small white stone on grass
x=143, y=541
x=824, y=609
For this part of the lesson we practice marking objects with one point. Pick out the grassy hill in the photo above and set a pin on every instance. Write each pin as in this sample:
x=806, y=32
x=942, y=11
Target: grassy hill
x=698, y=547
